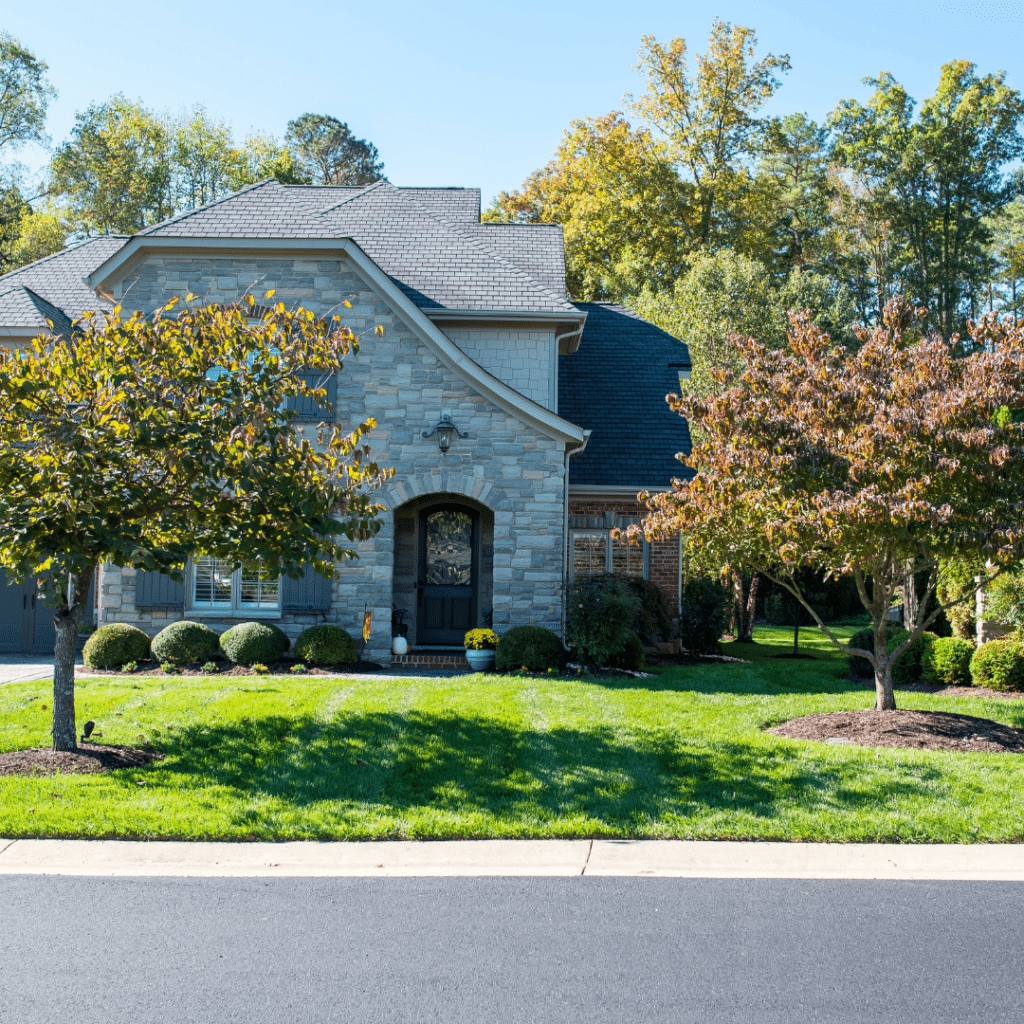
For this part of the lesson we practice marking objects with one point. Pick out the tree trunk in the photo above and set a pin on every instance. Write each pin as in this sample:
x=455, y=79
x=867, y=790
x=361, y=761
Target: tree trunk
x=745, y=606
x=885, y=698
x=796, y=635
x=65, y=620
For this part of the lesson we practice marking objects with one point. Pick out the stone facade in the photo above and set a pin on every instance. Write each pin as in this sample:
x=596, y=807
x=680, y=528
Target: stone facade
x=525, y=360
x=507, y=468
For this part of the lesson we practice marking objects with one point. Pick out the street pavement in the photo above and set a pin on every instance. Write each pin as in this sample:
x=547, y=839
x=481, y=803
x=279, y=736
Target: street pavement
x=571, y=950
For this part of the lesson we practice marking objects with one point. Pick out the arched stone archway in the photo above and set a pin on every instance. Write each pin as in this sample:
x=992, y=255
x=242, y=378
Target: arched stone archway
x=415, y=594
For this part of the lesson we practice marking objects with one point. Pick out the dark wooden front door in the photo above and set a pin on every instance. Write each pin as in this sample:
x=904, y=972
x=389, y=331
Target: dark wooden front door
x=26, y=624
x=449, y=559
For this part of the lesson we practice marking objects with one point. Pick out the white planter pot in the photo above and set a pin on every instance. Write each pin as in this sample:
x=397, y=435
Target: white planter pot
x=399, y=645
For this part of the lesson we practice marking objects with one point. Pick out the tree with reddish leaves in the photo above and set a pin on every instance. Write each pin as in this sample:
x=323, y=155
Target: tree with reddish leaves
x=898, y=455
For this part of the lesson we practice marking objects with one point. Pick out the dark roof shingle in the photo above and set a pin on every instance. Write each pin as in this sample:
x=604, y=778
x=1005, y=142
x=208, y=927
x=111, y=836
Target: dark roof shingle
x=615, y=385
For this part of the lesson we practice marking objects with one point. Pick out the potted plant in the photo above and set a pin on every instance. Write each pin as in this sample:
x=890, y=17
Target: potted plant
x=480, y=644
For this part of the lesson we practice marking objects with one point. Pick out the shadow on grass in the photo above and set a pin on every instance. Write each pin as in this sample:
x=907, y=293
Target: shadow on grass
x=417, y=763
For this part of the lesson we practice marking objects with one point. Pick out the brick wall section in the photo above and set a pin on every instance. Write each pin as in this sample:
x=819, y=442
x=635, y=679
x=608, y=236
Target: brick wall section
x=506, y=466
x=604, y=513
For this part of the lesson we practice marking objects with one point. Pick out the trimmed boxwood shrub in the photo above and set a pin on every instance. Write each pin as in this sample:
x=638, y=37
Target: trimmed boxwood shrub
x=907, y=667
x=325, y=645
x=999, y=665
x=531, y=647
x=630, y=655
x=185, y=642
x=703, y=611
x=250, y=643
x=864, y=640
x=114, y=645
x=599, y=618
x=947, y=661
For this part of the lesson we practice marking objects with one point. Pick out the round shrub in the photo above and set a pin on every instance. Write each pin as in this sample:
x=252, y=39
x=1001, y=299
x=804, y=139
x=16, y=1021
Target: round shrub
x=907, y=667
x=999, y=665
x=630, y=656
x=115, y=644
x=864, y=640
x=948, y=662
x=703, y=611
x=252, y=642
x=599, y=618
x=325, y=645
x=532, y=647
x=185, y=642
x=653, y=622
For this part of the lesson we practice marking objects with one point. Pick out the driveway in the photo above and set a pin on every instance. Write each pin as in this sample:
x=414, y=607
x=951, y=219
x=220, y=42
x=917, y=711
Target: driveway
x=20, y=668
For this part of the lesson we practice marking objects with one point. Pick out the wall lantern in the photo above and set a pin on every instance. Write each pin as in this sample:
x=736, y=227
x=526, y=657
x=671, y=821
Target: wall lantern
x=444, y=430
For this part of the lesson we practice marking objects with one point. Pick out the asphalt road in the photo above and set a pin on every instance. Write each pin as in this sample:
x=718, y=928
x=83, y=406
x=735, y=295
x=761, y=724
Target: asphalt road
x=531, y=950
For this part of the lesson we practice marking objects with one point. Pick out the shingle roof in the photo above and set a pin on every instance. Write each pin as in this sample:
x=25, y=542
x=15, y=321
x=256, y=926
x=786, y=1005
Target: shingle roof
x=57, y=279
x=615, y=385
x=429, y=240
x=436, y=263
x=539, y=249
x=21, y=307
x=458, y=205
x=265, y=210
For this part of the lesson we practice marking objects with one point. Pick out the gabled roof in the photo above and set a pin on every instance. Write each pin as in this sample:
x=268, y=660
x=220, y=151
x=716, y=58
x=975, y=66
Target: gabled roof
x=422, y=238
x=57, y=281
x=615, y=385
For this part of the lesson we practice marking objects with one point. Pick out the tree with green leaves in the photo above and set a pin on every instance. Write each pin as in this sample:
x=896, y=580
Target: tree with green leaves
x=622, y=206
x=114, y=173
x=936, y=177
x=263, y=156
x=796, y=163
x=711, y=120
x=204, y=161
x=24, y=94
x=141, y=441
x=330, y=154
x=859, y=464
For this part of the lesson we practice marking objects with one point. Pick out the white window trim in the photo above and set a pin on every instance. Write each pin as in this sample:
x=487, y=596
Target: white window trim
x=236, y=610
x=609, y=544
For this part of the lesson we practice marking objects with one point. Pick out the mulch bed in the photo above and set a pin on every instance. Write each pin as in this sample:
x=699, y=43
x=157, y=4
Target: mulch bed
x=226, y=668
x=914, y=730
x=88, y=759
x=944, y=691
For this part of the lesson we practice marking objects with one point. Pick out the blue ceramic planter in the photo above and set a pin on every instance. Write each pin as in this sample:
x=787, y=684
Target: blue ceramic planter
x=480, y=661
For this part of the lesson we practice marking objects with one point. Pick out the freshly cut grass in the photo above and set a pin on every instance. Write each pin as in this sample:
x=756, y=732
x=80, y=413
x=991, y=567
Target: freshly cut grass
x=680, y=755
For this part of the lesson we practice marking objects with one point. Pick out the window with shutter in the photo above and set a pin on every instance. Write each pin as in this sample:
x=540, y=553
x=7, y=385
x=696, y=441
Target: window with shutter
x=308, y=410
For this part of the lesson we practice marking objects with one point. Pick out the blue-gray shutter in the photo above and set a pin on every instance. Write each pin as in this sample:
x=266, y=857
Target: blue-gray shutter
x=310, y=593
x=309, y=410
x=158, y=590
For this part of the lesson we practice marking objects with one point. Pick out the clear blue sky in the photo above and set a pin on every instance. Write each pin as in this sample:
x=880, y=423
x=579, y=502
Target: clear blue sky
x=474, y=94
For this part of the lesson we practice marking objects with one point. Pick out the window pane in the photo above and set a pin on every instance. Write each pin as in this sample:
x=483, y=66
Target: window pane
x=449, y=554
x=211, y=582
x=588, y=553
x=259, y=588
x=628, y=558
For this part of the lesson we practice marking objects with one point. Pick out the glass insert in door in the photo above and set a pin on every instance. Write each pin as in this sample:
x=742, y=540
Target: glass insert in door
x=449, y=549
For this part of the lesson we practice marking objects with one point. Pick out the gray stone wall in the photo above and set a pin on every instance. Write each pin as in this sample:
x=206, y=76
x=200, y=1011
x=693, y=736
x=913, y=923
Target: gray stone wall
x=509, y=468
x=524, y=360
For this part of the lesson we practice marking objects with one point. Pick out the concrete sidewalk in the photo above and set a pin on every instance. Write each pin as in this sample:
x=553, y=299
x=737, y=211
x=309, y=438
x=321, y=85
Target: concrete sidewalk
x=622, y=858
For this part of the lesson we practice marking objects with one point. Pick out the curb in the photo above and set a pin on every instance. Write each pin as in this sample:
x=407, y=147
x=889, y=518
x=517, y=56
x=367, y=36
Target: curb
x=513, y=858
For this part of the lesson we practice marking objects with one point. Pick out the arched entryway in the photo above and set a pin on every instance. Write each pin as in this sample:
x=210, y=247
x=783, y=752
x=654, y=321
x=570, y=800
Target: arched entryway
x=444, y=555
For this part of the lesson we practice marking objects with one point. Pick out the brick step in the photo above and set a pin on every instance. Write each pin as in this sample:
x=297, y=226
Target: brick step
x=455, y=660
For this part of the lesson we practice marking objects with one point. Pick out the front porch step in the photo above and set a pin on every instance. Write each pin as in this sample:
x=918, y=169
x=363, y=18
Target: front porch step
x=451, y=660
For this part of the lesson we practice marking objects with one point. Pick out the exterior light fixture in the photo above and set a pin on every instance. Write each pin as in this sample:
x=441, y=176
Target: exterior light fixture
x=444, y=430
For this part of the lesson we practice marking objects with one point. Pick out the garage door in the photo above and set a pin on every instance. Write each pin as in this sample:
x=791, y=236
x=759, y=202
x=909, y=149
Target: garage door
x=26, y=624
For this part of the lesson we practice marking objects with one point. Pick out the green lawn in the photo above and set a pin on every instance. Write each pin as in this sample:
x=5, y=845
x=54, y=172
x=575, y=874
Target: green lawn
x=679, y=755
